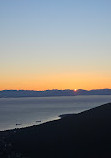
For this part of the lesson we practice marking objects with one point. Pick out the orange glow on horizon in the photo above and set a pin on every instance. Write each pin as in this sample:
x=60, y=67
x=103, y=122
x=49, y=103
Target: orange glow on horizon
x=56, y=81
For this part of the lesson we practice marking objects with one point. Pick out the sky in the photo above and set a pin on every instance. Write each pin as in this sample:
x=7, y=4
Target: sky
x=55, y=44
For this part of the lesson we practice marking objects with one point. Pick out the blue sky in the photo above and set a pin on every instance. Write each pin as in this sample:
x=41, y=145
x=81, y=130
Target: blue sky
x=40, y=38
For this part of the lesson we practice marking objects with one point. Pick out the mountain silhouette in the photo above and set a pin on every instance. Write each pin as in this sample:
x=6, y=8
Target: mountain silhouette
x=54, y=92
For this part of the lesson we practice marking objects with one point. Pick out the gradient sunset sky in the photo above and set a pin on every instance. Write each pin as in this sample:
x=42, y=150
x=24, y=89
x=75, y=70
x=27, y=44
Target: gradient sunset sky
x=55, y=44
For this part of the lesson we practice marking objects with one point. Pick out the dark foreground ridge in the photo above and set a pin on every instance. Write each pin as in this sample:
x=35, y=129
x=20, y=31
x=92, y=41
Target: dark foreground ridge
x=84, y=135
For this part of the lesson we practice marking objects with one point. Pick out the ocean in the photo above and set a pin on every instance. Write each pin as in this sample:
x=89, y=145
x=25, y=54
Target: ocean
x=23, y=112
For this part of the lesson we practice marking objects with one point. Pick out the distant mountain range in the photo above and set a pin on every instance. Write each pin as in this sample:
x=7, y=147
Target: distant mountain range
x=54, y=92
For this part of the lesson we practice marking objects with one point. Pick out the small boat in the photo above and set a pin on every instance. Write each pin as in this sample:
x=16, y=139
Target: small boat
x=18, y=124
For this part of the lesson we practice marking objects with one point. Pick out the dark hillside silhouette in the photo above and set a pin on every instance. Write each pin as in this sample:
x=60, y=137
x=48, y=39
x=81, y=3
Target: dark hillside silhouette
x=84, y=135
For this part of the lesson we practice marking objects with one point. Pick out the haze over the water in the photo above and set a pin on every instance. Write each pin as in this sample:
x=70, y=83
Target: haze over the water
x=62, y=44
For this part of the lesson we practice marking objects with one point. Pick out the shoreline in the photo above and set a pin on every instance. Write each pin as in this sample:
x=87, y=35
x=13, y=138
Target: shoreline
x=58, y=117
x=37, y=123
x=29, y=116
x=42, y=122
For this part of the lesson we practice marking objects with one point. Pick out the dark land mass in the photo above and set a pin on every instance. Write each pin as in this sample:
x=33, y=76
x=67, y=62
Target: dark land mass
x=83, y=135
x=54, y=92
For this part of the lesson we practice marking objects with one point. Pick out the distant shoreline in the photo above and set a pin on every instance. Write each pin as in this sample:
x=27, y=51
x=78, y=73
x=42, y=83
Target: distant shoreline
x=52, y=93
x=53, y=96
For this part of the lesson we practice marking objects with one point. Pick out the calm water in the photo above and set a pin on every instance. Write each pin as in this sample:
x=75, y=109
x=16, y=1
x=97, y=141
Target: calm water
x=26, y=111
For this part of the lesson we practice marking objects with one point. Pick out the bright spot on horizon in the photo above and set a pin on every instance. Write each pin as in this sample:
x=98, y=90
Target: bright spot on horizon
x=75, y=90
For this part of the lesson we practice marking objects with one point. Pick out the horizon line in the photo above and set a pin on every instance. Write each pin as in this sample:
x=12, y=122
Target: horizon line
x=53, y=89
